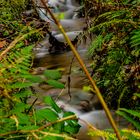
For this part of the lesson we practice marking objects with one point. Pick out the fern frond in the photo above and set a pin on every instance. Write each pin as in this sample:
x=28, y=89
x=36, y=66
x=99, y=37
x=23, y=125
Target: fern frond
x=132, y=132
x=131, y=112
x=135, y=39
x=109, y=135
x=113, y=14
x=112, y=22
x=97, y=43
x=129, y=115
x=105, y=134
x=13, y=67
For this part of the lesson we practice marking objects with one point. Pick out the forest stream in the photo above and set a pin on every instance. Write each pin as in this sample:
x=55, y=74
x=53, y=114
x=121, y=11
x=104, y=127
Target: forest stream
x=84, y=103
x=70, y=69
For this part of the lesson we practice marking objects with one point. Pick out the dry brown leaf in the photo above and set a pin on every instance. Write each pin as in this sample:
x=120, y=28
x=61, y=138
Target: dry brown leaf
x=2, y=43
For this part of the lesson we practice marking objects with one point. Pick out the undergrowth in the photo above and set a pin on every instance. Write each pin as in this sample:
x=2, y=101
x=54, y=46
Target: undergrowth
x=115, y=52
x=12, y=9
x=19, y=118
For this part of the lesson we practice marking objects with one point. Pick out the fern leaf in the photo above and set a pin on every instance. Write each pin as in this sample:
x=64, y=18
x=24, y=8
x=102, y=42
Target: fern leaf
x=97, y=43
x=109, y=23
x=22, y=94
x=132, y=132
x=55, y=83
x=13, y=66
x=20, y=85
x=113, y=14
x=52, y=74
x=131, y=112
x=101, y=133
x=32, y=78
x=135, y=39
x=130, y=119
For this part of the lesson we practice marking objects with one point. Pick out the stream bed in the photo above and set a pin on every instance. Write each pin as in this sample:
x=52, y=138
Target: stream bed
x=84, y=104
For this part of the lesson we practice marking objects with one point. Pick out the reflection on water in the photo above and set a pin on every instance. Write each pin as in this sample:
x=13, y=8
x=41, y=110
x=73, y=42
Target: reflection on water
x=58, y=60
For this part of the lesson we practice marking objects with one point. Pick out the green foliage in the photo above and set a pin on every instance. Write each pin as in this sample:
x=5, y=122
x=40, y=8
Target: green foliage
x=72, y=126
x=98, y=42
x=46, y=114
x=23, y=119
x=49, y=101
x=55, y=84
x=14, y=67
x=135, y=42
x=53, y=77
x=20, y=119
x=133, y=116
x=45, y=120
x=109, y=135
x=115, y=52
x=52, y=74
x=13, y=63
x=137, y=95
x=12, y=8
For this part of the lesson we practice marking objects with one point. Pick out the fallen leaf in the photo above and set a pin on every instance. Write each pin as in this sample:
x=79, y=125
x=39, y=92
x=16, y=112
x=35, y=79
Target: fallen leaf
x=2, y=44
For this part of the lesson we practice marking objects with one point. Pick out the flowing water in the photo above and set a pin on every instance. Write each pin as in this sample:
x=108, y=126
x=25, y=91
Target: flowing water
x=83, y=103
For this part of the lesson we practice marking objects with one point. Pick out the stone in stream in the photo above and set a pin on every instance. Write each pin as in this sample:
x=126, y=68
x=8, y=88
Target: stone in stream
x=58, y=47
x=56, y=44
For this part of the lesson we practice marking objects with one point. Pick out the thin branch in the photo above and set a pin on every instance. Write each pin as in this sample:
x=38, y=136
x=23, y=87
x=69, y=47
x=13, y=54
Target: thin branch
x=41, y=128
x=35, y=136
x=9, y=133
x=98, y=93
x=58, y=121
x=32, y=105
x=57, y=135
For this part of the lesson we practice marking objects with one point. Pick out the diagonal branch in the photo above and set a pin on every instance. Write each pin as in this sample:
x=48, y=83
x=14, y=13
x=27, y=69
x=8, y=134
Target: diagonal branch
x=42, y=127
x=98, y=93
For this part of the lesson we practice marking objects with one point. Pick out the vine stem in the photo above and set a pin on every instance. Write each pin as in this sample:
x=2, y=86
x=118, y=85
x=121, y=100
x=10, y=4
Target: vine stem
x=98, y=93
x=39, y=130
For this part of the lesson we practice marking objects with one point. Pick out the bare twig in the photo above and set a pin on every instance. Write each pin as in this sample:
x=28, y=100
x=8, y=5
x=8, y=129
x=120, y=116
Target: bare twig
x=32, y=105
x=69, y=77
x=98, y=93
x=35, y=136
x=58, y=135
